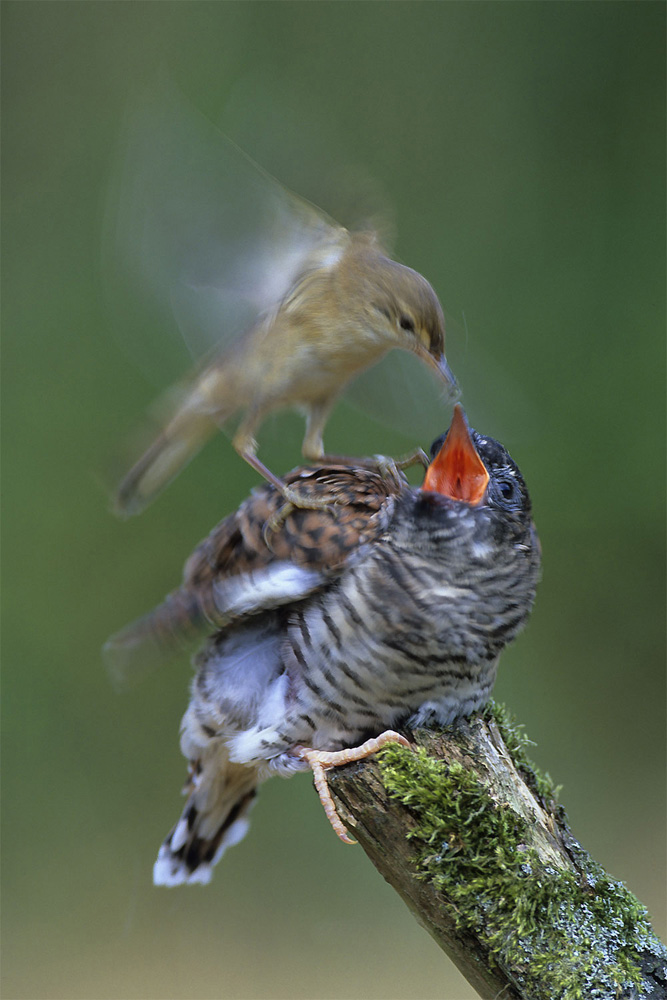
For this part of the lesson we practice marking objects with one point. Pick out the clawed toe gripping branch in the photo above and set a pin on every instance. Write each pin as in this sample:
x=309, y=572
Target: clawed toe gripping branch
x=321, y=760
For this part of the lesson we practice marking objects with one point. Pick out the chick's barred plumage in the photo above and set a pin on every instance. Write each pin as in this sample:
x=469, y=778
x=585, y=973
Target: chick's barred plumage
x=391, y=611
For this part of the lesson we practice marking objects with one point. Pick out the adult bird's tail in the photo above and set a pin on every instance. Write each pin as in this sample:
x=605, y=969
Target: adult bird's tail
x=196, y=411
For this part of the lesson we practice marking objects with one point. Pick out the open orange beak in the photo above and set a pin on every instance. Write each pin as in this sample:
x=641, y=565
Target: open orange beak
x=457, y=471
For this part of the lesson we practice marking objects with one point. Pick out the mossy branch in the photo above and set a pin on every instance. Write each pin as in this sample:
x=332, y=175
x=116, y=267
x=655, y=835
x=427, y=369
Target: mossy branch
x=473, y=840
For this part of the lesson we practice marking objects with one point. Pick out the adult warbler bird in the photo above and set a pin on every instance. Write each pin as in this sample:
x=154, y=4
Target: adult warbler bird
x=324, y=303
x=389, y=613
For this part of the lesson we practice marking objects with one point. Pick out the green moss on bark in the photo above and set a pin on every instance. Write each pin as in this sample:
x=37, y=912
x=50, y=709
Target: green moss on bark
x=557, y=933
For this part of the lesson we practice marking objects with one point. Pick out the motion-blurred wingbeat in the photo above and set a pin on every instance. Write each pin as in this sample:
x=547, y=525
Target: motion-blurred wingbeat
x=322, y=303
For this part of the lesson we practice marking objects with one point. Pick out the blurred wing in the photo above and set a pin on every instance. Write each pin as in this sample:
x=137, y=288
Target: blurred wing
x=185, y=618
x=197, y=236
x=402, y=393
x=171, y=631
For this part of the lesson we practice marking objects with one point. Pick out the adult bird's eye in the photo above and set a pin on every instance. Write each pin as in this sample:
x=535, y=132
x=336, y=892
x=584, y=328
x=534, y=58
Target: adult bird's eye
x=406, y=323
x=507, y=490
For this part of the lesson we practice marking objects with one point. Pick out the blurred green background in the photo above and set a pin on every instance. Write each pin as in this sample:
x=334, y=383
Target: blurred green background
x=522, y=148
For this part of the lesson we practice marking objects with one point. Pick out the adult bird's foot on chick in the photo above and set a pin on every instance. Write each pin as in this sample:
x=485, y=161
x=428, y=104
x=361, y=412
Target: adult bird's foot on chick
x=390, y=469
x=294, y=498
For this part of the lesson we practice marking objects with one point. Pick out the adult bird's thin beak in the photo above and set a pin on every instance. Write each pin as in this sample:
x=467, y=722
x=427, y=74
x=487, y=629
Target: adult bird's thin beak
x=457, y=471
x=440, y=365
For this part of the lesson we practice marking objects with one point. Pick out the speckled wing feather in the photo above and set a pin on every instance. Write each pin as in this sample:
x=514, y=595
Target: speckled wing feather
x=243, y=567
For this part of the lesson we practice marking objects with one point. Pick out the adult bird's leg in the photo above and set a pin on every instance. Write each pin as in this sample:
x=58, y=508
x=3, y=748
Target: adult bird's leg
x=321, y=760
x=389, y=468
x=245, y=444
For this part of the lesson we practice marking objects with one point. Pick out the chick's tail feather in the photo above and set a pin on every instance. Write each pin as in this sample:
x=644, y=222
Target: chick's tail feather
x=197, y=412
x=220, y=796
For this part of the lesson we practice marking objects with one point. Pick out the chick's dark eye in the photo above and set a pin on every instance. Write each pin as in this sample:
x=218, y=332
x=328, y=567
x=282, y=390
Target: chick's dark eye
x=406, y=323
x=507, y=492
